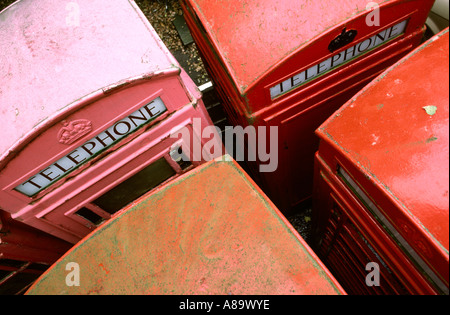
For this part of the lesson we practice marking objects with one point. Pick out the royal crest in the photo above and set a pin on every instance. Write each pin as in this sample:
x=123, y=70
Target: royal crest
x=74, y=130
x=346, y=37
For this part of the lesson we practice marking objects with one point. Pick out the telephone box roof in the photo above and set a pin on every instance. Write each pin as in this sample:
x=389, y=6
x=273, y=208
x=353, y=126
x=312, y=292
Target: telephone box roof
x=253, y=36
x=397, y=131
x=54, y=53
x=231, y=240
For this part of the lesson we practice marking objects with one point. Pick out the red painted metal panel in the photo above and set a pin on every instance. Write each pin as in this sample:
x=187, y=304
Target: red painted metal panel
x=385, y=154
x=271, y=63
x=21, y=242
x=25, y=253
x=211, y=231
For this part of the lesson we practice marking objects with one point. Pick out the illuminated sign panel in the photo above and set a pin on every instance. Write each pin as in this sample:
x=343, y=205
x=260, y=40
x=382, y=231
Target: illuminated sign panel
x=89, y=149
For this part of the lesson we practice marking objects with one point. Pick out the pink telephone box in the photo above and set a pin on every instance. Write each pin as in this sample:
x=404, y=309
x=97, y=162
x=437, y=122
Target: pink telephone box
x=90, y=100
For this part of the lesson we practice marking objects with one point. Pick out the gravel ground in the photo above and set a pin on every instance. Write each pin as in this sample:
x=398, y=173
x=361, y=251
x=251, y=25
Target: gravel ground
x=5, y=3
x=161, y=14
x=301, y=221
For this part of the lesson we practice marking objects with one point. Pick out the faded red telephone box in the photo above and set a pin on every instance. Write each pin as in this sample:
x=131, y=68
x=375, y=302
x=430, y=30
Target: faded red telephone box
x=237, y=242
x=90, y=100
x=291, y=64
x=382, y=180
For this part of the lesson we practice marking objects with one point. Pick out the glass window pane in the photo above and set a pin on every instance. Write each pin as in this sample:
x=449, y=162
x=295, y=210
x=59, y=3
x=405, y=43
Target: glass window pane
x=135, y=186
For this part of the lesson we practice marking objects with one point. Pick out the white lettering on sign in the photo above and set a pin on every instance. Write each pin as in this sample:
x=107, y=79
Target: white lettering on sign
x=338, y=59
x=85, y=152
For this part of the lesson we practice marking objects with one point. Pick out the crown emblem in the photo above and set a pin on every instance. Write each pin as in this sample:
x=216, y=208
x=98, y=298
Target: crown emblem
x=74, y=130
x=346, y=37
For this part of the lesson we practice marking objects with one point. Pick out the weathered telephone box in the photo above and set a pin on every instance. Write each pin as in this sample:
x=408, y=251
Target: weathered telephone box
x=381, y=200
x=89, y=97
x=231, y=241
x=291, y=64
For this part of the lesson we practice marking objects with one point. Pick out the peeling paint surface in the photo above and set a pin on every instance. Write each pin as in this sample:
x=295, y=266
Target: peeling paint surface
x=430, y=109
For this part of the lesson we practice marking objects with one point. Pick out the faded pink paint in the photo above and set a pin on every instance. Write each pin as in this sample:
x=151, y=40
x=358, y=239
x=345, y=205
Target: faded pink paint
x=97, y=73
x=47, y=65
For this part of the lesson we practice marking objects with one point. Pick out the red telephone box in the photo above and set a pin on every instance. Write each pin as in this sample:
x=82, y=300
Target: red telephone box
x=291, y=64
x=91, y=99
x=382, y=180
x=237, y=242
